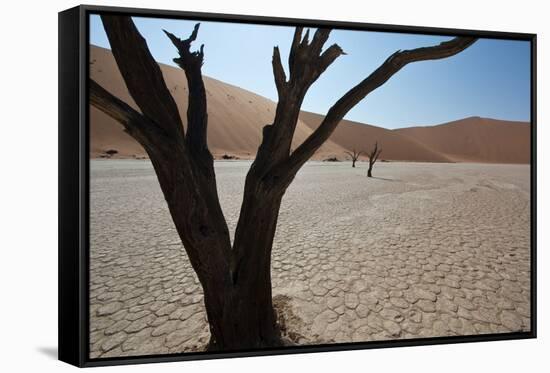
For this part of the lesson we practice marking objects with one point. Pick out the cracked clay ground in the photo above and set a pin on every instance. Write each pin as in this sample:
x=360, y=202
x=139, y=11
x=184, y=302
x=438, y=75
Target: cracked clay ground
x=421, y=250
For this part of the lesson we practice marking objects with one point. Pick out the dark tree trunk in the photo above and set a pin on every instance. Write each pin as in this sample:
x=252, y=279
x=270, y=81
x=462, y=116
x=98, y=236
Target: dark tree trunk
x=373, y=157
x=249, y=318
x=236, y=279
x=246, y=319
x=353, y=163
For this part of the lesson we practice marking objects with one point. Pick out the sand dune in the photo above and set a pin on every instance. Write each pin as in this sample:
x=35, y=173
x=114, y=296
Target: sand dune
x=359, y=136
x=236, y=116
x=476, y=139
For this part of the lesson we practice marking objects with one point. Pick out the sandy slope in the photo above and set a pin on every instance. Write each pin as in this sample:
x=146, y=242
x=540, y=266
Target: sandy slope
x=359, y=136
x=476, y=139
x=236, y=116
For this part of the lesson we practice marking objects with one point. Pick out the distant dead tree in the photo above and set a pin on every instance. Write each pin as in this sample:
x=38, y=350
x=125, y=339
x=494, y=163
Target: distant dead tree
x=354, y=156
x=373, y=157
x=235, y=277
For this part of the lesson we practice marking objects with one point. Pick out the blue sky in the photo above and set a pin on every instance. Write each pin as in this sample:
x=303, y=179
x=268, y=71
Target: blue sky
x=489, y=79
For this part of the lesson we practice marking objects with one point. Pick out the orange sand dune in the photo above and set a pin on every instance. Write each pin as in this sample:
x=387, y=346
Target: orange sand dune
x=361, y=137
x=476, y=139
x=236, y=116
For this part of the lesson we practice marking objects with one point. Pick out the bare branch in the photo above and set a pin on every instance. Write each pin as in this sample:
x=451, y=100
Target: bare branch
x=197, y=115
x=391, y=66
x=377, y=155
x=319, y=39
x=354, y=155
x=328, y=57
x=278, y=72
x=372, y=154
x=305, y=40
x=294, y=48
x=350, y=154
x=135, y=123
x=187, y=59
x=373, y=157
x=306, y=64
x=141, y=73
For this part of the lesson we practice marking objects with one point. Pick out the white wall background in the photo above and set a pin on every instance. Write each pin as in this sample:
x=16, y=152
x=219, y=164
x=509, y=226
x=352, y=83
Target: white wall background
x=28, y=184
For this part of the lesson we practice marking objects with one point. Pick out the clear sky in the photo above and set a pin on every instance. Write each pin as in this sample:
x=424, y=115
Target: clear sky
x=489, y=79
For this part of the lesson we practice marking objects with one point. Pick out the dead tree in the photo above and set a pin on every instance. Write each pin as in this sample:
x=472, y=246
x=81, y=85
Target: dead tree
x=236, y=278
x=373, y=157
x=354, y=156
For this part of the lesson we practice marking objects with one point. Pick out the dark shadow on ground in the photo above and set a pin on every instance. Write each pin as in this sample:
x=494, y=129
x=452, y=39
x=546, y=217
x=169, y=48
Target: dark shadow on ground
x=50, y=352
x=383, y=178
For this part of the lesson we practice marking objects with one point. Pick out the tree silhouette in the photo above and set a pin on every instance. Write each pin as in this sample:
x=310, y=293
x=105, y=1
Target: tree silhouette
x=354, y=156
x=236, y=278
x=373, y=157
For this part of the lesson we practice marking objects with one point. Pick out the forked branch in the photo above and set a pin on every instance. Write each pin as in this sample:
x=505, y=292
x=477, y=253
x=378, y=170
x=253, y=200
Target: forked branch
x=373, y=157
x=141, y=73
x=187, y=58
x=135, y=123
x=375, y=153
x=306, y=63
x=354, y=156
x=392, y=65
x=197, y=116
x=186, y=176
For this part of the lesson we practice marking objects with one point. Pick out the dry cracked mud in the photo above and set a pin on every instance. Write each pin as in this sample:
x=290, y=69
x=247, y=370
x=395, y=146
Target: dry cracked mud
x=420, y=250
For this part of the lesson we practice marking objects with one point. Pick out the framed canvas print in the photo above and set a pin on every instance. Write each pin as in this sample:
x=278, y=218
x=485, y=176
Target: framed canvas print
x=234, y=185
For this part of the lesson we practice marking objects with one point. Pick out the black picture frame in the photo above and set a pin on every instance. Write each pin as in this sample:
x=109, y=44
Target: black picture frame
x=74, y=176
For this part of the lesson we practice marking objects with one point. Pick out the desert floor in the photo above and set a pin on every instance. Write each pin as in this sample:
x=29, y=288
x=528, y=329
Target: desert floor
x=421, y=250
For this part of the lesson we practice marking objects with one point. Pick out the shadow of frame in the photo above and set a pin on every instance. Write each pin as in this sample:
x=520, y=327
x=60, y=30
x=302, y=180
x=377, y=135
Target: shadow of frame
x=49, y=351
